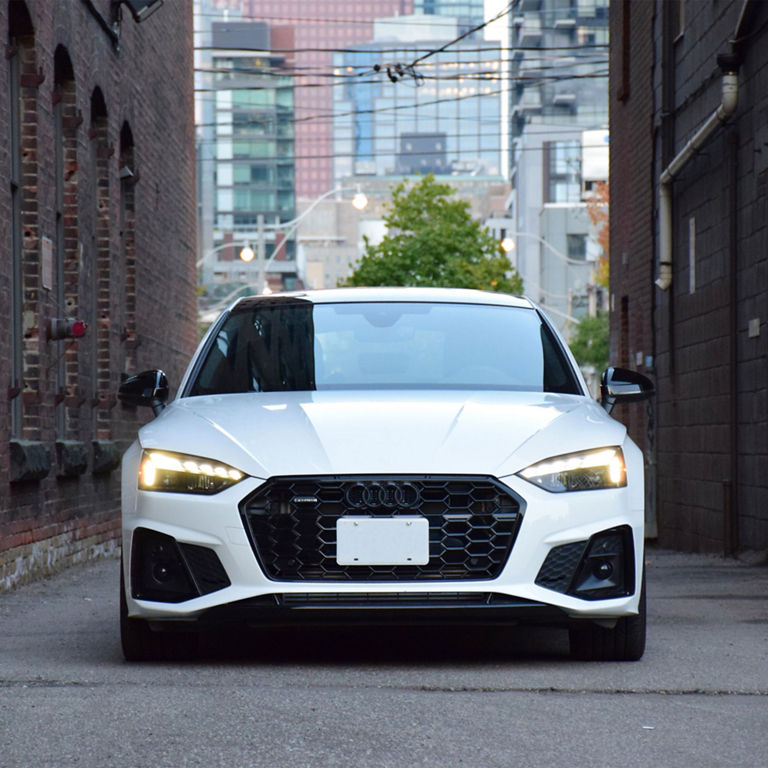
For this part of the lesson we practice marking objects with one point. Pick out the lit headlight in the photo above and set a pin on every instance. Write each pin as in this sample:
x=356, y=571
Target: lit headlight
x=179, y=473
x=587, y=471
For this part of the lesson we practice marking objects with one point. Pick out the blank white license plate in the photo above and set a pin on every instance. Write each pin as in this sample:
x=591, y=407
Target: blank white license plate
x=382, y=541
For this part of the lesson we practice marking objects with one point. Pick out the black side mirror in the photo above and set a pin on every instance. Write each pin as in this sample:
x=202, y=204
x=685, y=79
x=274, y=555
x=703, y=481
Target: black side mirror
x=148, y=388
x=618, y=385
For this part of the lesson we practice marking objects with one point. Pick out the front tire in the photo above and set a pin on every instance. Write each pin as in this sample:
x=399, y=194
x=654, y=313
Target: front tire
x=624, y=642
x=139, y=642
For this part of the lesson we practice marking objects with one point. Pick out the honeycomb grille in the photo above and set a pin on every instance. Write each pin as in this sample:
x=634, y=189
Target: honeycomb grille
x=291, y=524
x=560, y=566
x=206, y=568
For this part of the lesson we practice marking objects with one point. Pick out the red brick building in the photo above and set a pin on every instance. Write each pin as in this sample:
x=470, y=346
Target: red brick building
x=97, y=225
x=689, y=259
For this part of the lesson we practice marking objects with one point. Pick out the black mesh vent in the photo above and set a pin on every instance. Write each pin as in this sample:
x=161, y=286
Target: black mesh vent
x=560, y=566
x=206, y=568
x=367, y=599
x=401, y=600
x=291, y=524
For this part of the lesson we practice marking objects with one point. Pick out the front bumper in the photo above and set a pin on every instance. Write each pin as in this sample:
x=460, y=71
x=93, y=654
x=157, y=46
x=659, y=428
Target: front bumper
x=561, y=523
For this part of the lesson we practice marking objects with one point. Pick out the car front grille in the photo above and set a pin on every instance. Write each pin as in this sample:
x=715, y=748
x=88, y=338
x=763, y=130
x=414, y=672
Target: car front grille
x=291, y=524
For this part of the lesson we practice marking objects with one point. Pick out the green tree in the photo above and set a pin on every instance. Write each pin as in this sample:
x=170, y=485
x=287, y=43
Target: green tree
x=590, y=341
x=434, y=242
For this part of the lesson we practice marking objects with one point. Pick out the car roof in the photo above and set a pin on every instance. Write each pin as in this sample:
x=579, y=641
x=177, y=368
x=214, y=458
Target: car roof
x=389, y=294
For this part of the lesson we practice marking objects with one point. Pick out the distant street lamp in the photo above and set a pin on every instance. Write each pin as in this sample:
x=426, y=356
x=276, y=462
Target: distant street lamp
x=359, y=202
x=247, y=253
x=509, y=244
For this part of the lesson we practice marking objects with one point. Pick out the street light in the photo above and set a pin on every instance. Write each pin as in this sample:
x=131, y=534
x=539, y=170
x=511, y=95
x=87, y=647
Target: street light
x=359, y=202
x=508, y=244
x=247, y=254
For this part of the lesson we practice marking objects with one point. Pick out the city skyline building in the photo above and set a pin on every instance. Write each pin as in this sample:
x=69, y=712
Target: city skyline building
x=468, y=13
x=307, y=41
x=559, y=146
x=441, y=117
x=246, y=152
x=319, y=29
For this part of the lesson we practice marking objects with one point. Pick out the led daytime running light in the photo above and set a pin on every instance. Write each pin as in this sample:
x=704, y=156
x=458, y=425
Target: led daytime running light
x=591, y=470
x=607, y=457
x=161, y=471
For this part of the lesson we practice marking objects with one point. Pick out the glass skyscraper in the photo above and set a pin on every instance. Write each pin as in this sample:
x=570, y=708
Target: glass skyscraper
x=469, y=13
x=246, y=165
x=443, y=117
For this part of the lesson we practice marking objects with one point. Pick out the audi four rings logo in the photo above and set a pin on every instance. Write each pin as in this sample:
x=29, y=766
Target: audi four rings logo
x=382, y=495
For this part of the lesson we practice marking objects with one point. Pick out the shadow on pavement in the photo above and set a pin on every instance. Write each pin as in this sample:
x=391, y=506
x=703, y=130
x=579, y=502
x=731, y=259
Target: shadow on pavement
x=370, y=645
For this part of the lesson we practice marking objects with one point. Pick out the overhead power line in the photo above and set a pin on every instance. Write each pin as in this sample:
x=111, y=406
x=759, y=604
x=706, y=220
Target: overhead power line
x=408, y=48
x=285, y=19
x=362, y=156
x=498, y=16
x=397, y=71
x=435, y=20
x=540, y=80
x=465, y=70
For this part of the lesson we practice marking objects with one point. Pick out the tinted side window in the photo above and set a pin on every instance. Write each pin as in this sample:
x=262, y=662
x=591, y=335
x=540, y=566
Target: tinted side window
x=558, y=376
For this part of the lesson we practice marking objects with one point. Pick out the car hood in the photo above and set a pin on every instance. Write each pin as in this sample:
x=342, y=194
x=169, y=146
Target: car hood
x=451, y=432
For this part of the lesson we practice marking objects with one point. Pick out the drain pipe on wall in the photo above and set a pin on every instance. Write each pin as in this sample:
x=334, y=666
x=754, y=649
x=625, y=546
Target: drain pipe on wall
x=730, y=90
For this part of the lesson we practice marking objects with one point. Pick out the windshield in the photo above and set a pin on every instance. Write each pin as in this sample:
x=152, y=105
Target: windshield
x=288, y=344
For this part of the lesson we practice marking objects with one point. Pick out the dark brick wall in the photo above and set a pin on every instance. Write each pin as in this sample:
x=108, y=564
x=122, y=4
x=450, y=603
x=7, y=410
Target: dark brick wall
x=632, y=240
x=126, y=245
x=711, y=437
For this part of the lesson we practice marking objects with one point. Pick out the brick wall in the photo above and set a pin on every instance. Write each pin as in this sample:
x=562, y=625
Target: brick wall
x=632, y=241
x=709, y=435
x=105, y=218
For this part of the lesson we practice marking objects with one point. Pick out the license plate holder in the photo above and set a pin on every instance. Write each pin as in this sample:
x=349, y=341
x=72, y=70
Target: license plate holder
x=398, y=540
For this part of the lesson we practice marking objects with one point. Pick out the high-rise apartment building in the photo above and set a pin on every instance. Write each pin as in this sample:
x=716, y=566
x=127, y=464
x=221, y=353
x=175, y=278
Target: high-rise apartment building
x=559, y=63
x=468, y=13
x=246, y=151
x=320, y=28
x=558, y=108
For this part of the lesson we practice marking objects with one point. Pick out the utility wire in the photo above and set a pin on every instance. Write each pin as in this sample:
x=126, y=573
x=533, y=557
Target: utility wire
x=548, y=62
x=403, y=48
x=552, y=12
x=474, y=153
x=318, y=20
x=421, y=104
x=498, y=16
x=486, y=78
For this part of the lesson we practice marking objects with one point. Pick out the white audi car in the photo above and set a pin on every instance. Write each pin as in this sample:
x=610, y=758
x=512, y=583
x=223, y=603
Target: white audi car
x=383, y=455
